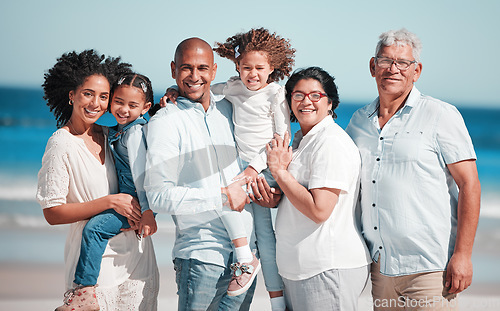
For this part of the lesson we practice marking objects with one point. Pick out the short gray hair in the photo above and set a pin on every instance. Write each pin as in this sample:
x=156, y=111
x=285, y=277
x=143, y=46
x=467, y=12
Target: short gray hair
x=400, y=37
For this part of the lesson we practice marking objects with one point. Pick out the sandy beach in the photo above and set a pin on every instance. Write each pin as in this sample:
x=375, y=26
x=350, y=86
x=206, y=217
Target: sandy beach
x=37, y=284
x=28, y=287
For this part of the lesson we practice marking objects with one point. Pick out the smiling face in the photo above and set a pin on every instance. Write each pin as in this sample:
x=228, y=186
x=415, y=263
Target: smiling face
x=128, y=103
x=254, y=70
x=90, y=100
x=310, y=113
x=193, y=70
x=393, y=83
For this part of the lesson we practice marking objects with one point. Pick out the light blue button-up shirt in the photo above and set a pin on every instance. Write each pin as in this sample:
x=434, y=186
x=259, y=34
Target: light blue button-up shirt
x=191, y=155
x=408, y=196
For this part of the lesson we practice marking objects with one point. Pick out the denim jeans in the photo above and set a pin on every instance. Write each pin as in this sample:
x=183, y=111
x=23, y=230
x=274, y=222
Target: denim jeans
x=266, y=240
x=203, y=286
x=96, y=233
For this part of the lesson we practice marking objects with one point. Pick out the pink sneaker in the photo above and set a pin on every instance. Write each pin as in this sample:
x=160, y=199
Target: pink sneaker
x=81, y=298
x=243, y=276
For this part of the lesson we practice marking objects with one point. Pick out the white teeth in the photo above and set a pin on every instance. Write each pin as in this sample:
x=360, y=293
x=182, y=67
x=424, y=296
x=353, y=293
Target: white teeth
x=91, y=112
x=196, y=86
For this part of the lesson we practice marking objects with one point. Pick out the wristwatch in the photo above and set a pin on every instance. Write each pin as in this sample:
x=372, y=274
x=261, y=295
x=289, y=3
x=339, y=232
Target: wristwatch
x=224, y=198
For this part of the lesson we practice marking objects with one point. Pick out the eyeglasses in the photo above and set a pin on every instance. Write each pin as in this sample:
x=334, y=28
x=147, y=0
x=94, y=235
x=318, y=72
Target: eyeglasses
x=313, y=96
x=401, y=64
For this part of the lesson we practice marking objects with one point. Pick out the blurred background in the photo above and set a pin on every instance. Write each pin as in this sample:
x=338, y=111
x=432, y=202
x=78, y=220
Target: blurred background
x=460, y=54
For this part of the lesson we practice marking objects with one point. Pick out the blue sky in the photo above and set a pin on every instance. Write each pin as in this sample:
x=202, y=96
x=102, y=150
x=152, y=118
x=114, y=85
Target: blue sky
x=460, y=38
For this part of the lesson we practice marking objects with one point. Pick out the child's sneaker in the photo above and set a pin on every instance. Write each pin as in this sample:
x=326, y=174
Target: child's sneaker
x=81, y=298
x=243, y=276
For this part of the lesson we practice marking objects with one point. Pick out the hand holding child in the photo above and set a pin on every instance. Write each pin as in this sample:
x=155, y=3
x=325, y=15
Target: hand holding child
x=170, y=95
x=263, y=194
x=147, y=226
x=236, y=196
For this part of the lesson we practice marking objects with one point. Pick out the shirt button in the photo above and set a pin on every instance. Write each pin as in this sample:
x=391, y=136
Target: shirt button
x=380, y=247
x=374, y=204
x=375, y=228
x=378, y=159
x=373, y=181
x=381, y=138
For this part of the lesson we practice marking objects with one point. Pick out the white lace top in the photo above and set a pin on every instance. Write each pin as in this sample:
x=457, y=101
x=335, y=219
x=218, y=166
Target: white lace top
x=128, y=279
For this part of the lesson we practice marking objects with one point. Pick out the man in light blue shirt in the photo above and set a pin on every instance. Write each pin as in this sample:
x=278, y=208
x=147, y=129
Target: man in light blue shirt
x=420, y=192
x=190, y=162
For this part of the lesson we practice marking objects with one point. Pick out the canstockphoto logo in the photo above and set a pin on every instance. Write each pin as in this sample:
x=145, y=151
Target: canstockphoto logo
x=406, y=302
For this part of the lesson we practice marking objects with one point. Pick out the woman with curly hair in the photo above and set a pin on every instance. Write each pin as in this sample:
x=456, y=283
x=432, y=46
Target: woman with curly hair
x=78, y=180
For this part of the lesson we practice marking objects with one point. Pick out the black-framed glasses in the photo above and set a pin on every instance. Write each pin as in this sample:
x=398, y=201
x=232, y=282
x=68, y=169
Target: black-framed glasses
x=401, y=64
x=313, y=96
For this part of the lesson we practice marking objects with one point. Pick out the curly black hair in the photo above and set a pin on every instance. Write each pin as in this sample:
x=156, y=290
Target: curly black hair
x=70, y=71
x=316, y=73
x=279, y=51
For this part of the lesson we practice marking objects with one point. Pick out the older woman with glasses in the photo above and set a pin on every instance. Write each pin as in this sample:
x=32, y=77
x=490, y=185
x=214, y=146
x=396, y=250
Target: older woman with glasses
x=320, y=252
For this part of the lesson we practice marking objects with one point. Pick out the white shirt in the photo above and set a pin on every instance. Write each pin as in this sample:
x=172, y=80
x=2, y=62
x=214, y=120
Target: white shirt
x=71, y=174
x=325, y=157
x=257, y=115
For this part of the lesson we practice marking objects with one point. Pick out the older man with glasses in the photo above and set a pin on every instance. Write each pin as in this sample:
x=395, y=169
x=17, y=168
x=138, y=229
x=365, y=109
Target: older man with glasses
x=420, y=192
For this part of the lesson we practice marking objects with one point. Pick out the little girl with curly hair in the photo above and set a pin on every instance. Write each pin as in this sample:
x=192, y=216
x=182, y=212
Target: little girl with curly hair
x=259, y=110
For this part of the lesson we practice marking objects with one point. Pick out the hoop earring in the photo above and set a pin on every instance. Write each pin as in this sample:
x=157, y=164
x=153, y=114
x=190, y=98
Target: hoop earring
x=70, y=102
x=330, y=112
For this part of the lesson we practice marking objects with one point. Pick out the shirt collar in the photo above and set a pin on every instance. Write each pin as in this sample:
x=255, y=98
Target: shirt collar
x=118, y=129
x=328, y=120
x=191, y=104
x=411, y=102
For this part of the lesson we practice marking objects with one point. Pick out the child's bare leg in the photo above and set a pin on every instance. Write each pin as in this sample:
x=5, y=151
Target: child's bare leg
x=275, y=294
x=239, y=242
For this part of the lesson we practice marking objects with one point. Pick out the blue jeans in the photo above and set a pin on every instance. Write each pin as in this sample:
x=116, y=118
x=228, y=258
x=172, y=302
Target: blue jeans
x=266, y=240
x=96, y=233
x=203, y=286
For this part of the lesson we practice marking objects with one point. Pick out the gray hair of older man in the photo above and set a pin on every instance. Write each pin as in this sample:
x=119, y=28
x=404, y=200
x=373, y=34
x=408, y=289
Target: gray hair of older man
x=400, y=37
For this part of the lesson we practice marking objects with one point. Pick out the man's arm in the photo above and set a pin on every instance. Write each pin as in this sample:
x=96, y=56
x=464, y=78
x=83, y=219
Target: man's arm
x=165, y=159
x=459, y=270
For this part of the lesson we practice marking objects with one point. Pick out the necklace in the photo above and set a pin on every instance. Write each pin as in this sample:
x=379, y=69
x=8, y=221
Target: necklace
x=90, y=145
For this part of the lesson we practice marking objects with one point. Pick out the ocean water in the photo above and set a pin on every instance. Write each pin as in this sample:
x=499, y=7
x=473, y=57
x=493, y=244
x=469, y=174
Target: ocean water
x=26, y=124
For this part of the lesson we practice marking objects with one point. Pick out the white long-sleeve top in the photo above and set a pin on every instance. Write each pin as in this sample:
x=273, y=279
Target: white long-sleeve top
x=257, y=115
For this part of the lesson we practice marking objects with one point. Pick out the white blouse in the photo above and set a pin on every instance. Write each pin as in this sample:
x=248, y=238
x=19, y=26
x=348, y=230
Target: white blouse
x=325, y=157
x=257, y=115
x=129, y=278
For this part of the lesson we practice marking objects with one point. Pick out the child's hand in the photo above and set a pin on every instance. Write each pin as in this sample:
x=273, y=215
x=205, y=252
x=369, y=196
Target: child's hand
x=147, y=225
x=171, y=94
x=133, y=226
x=249, y=174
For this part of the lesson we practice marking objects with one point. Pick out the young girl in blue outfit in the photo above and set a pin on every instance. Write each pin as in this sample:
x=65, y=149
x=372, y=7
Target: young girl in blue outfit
x=259, y=110
x=132, y=96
